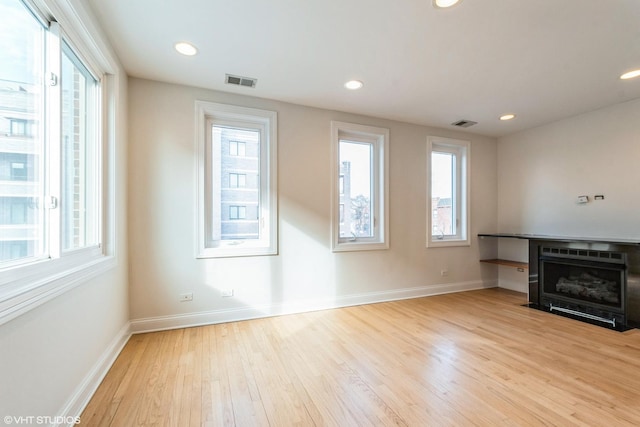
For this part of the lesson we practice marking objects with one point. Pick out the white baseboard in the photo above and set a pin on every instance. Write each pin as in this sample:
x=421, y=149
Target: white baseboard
x=151, y=324
x=85, y=390
x=514, y=286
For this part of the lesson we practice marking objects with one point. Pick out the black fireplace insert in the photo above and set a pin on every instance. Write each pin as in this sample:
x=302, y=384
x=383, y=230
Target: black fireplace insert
x=596, y=280
x=588, y=283
x=593, y=280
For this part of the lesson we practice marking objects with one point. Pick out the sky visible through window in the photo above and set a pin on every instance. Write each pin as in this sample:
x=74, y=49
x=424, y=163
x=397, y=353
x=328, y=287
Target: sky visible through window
x=441, y=174
x=359, y=155
x=19, y=37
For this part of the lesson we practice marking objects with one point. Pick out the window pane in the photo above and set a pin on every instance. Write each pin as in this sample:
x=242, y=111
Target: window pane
x=233, y=180
x=78, y=153
x=232, y=221
x=21, y=142
x=442, y=194
x=356, y=194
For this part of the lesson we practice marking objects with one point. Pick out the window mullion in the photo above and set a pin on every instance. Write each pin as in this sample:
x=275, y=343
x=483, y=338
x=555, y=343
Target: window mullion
x=53, y=159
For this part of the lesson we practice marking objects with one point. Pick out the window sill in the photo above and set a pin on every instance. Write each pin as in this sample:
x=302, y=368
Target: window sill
x=447, y=243
x=231, y=252
x=27, y=287
x=360, y=246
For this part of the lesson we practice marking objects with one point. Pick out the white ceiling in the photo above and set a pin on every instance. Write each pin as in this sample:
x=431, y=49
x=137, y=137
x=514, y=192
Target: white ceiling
x=540, y=59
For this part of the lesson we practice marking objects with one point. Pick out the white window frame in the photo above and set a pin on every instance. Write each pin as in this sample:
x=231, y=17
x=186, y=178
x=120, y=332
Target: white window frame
x=460, y=200
x=267, y=121
x=28, y=283
x=379, y=138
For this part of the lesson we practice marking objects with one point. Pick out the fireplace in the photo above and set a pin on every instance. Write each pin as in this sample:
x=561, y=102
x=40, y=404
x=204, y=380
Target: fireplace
x=594, y=280
x=591, y=279
x=585, y=283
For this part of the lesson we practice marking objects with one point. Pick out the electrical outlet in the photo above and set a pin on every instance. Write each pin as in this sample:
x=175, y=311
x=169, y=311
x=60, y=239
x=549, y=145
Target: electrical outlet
x=187, y=296
x=444, y=273
x=226, y=293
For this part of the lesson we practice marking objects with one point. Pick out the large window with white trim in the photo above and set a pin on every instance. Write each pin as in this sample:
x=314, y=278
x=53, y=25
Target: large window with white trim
x=360, y=187
x=52, y=194
x=45, y=84
x=447, y=192
x=237, y=181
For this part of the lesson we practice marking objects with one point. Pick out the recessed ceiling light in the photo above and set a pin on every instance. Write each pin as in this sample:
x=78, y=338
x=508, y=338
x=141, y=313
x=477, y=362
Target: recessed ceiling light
x=441, y=4
x=630, y=75
x=353, y=84
x=507, y=117
x=186, y=48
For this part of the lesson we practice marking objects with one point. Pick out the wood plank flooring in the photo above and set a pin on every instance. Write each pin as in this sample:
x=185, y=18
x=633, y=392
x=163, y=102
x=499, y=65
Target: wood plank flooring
x=468, y=359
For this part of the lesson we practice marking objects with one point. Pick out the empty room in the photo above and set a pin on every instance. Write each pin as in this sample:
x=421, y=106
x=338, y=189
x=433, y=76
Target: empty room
x=319, y=213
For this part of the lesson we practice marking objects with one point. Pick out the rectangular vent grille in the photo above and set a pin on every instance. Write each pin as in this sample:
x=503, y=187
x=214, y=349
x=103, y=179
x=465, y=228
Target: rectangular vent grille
x=464, y=123
x=240, y=81
x=615, y=257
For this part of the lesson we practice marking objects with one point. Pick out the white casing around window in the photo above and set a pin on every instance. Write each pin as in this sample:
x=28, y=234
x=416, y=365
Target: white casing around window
x=265, y=121
x=462, y=150
x=379, y=138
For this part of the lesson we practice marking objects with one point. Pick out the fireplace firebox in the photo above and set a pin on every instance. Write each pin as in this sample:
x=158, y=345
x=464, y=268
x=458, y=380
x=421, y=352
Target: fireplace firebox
x=586, y=283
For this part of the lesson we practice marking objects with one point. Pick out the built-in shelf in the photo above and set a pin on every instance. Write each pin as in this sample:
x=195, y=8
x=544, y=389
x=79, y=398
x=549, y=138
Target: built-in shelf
x=507, y=262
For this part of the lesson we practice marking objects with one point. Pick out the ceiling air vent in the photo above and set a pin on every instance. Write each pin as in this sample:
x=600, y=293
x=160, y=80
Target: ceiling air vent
x=240, y=81
x=464, y=123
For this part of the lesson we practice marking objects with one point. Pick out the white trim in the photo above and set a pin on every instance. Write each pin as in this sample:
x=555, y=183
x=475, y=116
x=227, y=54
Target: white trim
x=80, y=31
x=379, y=138
x=462, y=203
x=161, y=323
x=268, y=245
x=85, y=390
x=49, y=286
x=26, y=285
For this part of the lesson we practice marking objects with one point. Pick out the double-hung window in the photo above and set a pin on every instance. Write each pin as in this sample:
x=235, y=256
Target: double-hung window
x=360, y=187
x=237, y=195
x=50, y=157
x=447, y=192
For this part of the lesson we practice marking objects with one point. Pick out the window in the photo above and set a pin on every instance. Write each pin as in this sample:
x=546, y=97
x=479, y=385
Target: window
x=18, y=171
x=52, y=127
x=360, y=187
x=18, y=127
x=79, y=204
x=237, y=212
x=238, y=180
x=237, y=148
x=237, y=217
x=13, y=211
x=65, y=214
x=448, y=192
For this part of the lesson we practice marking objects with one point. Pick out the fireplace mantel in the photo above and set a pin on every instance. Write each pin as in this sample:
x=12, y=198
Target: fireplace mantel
x=543, y=237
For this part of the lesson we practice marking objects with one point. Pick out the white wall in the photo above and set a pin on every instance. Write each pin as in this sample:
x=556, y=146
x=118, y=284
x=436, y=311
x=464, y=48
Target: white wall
x=543, y=170
x=49, y=356
x=305, y=274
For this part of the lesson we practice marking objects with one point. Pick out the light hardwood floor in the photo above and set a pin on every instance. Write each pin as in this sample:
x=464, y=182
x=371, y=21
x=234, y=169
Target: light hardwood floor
x=472, y=358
